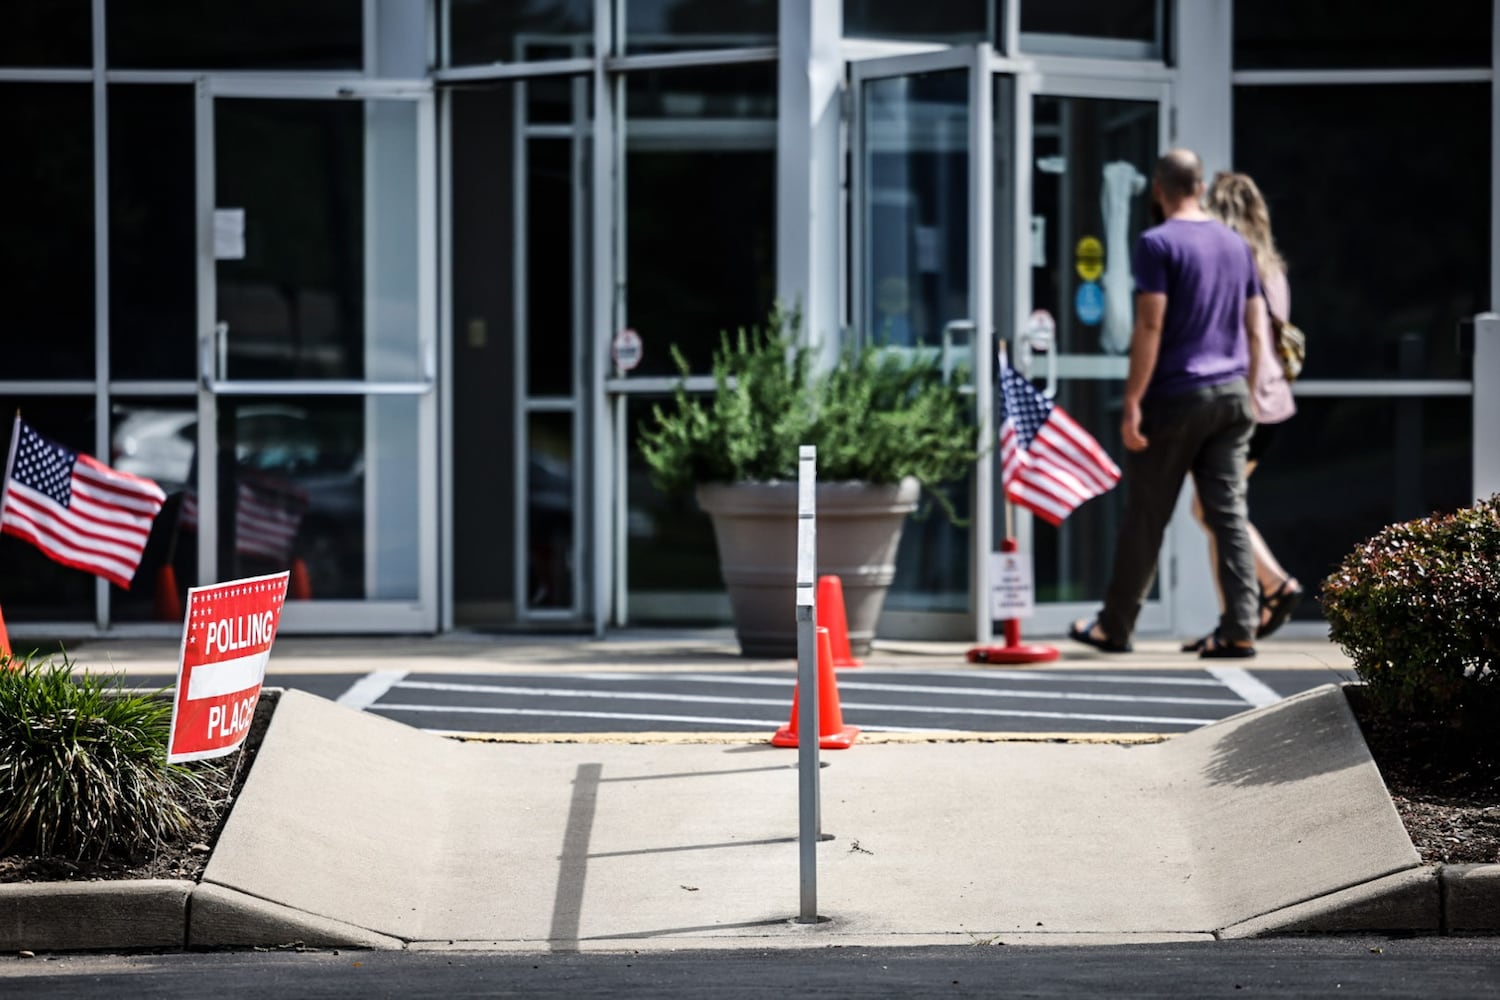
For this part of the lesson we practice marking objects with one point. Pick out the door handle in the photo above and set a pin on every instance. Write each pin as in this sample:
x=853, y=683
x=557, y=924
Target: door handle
x=211, y=360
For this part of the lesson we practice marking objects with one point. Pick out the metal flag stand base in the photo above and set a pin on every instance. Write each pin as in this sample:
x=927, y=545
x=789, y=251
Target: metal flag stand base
x=1014, y=651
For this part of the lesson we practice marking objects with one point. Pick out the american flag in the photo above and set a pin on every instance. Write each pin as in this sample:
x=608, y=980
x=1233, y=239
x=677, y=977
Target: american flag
x=1049, y=464
x=76, y=509
x=267, y=516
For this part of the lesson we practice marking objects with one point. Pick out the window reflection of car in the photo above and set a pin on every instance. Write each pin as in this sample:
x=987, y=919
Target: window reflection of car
x=280, y=450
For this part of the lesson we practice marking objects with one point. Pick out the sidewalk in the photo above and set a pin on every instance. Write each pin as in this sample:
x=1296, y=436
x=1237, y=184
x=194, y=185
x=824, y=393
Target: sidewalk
x=357, y=831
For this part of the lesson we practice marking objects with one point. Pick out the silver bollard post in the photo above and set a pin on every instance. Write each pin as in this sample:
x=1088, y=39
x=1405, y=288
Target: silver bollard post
x=808, y=820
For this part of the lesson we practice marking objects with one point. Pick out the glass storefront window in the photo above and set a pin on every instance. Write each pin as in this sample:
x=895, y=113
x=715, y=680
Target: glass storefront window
x=681, y=25
x=955, y=22
x=550, y=471
x=916, y=242
x=295, y=303
x=265, y=35
x=158, y=438
x=1118, y=28
x=1380, y=274
x=50, y=33
x=1361, y=34
x=483, y=339
x=670, y=541
x=292, y=486
x=1090, y=201
x=153, y=299
x=496, y=31
x=47, y=256
x=705, y=138
x=33, y=586
x=1342, y=469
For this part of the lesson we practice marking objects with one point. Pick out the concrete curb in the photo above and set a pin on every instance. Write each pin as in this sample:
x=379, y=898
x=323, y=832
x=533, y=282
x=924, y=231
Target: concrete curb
x=172, y=914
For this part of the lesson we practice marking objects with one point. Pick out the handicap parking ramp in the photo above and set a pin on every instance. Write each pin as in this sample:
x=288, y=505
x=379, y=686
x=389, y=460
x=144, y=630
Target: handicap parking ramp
x=355, y=829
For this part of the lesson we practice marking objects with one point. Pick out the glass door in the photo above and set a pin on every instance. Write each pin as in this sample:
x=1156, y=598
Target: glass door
x=1092, y=146
x=314, y=448
x=922, y=203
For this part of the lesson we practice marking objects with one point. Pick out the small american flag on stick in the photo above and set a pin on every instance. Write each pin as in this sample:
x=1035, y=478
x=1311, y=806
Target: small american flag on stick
x=1049, y=464
x=76, y=509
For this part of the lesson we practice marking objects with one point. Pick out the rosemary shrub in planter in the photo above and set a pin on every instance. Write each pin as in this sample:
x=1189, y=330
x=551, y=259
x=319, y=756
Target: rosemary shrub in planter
x=886, y=426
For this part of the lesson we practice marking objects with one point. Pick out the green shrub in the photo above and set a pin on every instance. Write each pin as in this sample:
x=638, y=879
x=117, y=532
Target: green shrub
x=83, y=772
x=1417, y=608
x=877, y=417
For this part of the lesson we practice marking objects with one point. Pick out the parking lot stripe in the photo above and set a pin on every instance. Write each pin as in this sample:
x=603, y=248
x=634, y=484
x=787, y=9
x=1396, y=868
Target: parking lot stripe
x=706, y=720
x=1243, y=683
x=370, y=688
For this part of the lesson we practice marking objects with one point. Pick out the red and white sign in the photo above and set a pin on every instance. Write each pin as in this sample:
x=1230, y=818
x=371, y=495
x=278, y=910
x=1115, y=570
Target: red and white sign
x=226, y=641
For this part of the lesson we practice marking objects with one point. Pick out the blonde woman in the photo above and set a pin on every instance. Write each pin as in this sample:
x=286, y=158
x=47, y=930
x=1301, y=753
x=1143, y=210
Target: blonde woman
x=1235, y=200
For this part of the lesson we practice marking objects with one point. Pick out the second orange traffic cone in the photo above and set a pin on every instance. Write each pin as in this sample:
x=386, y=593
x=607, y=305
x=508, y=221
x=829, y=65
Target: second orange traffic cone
x=831, y=616
x=168, y=602
x=832, y=733
x=299, y=587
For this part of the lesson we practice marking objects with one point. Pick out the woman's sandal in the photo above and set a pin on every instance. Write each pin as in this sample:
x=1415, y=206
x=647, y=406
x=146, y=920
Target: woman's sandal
x=1280, y=606
x=1086, y=636
x=1196, y=646
x=1216, y=647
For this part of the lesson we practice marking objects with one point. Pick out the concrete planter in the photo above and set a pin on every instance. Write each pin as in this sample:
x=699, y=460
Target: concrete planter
x=755, y=524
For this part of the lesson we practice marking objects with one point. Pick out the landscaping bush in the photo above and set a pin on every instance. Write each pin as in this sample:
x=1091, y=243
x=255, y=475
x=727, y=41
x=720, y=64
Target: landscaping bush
x=1417, y=608
x=83, y=772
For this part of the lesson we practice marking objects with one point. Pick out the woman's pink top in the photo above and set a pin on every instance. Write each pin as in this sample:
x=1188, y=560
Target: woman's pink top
x=1273, y=394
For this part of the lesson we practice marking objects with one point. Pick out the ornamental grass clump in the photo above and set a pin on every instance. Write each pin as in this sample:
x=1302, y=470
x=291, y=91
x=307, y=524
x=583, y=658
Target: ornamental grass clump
x=1417, y=608
x=83, y=772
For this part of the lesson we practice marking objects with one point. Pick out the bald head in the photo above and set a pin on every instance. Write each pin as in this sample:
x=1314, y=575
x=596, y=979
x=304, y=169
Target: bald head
x=1179, y=175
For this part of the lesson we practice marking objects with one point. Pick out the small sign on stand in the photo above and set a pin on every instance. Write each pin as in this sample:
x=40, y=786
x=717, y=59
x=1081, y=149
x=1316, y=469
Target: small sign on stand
x=226, y=641
x=1012, y=589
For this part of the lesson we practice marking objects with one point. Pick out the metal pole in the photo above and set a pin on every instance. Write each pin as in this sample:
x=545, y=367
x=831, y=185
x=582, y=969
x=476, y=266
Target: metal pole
x=808, y=825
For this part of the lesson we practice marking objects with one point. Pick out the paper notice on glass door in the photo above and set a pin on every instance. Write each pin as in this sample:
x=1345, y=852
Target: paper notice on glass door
x=229, y=234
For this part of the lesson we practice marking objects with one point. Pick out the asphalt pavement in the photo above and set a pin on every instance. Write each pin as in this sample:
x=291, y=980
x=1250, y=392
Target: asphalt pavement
x=683, y=682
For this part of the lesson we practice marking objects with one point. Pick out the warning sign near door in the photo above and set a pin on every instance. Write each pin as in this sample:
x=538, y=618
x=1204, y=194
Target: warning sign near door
x=1012, y=592
x=226, y=641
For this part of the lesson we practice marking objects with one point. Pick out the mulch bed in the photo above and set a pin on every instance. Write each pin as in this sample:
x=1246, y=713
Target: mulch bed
x=1451, y=809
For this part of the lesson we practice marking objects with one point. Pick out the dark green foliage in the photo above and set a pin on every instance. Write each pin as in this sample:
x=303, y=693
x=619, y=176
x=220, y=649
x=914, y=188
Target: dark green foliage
x=1417, y=608
x=83, y=772
x=877, y=417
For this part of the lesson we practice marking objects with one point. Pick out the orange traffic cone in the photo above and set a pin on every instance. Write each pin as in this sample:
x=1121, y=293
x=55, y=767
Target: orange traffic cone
x=168, y=603
x=5, y=642
x=832, y=733
x=299, y=588
x=831, y=616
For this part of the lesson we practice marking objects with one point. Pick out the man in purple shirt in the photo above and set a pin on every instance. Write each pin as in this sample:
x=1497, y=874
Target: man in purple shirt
x=1187, y=407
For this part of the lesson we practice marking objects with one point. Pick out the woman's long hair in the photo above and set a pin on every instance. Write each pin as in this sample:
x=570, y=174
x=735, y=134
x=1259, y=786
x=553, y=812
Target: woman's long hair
x=1236, y=201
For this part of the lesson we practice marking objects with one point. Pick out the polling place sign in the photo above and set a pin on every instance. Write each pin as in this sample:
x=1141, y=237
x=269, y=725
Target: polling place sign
x=226, y=641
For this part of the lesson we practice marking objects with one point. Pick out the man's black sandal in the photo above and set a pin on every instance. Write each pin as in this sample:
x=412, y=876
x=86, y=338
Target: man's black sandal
x=1216, y=647
x=1086, y=636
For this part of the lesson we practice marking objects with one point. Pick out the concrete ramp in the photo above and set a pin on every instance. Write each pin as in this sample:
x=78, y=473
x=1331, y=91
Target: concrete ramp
x=354, y=829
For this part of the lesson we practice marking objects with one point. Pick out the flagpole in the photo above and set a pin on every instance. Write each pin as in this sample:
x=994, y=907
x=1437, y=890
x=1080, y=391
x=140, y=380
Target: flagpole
x=1014, y=651
x=10, y=461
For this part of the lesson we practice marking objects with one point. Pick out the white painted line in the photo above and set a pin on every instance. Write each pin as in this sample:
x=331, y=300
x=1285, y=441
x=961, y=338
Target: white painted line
x=781, y=682
x=370, y=688
x=1027, y=676
x=849, y=684
x=721, y=700
x=1246, y=685
x=630, y=717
